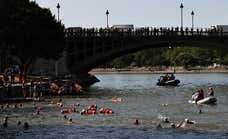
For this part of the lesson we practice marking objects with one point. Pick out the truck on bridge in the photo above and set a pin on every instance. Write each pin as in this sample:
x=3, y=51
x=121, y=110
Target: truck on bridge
x=123, y=27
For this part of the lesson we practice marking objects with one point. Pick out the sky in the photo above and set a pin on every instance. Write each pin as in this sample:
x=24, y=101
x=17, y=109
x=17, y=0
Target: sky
x=140, y=13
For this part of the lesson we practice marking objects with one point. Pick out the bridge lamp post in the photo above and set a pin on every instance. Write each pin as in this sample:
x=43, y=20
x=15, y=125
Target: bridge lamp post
x=107, y=13
x=192, y=13
x=58, y=7
x=181, y=7
x=57, y=63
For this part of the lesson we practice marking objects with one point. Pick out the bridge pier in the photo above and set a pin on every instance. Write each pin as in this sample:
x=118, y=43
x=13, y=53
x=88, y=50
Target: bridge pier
x=85, y=79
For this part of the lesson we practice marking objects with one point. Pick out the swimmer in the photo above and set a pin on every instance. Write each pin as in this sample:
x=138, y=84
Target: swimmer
x=26, y=125
x=189, y=122
x=15, y=106
x=6, y=118
x=158, y=126
x=38, y=112
x=172, y=125
x=184, y=123
x=5, y=124
x=136, y=122
x=7, y=106
x=164, y=119
x=19, y=123
x=83, y=111
x=65, y=117
x=69, y=121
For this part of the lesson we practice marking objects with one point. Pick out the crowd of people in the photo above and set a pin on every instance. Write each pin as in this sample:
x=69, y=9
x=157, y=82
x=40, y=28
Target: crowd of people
x=167, y=77
x=60, y=106
x=93, y=109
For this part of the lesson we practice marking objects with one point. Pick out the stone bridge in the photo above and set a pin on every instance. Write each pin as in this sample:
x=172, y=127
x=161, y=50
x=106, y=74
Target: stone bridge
x=89, y=48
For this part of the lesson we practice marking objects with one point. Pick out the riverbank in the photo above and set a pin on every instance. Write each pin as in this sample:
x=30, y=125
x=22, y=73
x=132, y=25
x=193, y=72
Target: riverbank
x=159, y=70
x=37, y=86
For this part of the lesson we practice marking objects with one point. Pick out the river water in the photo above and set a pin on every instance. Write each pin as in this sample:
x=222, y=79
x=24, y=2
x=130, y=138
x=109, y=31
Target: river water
x=141, y=99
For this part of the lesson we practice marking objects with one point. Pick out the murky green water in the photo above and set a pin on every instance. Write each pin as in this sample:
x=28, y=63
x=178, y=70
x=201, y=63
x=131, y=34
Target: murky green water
x=141, y=99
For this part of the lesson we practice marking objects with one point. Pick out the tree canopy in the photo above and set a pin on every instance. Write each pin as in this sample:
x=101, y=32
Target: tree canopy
x=179, y=56
x=30, y=32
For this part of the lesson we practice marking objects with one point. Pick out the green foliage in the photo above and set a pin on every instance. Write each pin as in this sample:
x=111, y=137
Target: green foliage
x=30, y=32
x=179, y=56
x=225, y=59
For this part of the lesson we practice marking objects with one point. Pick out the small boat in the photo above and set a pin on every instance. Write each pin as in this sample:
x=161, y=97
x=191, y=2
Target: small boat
x=207, y=100
x=168, y=80
x=168, y=83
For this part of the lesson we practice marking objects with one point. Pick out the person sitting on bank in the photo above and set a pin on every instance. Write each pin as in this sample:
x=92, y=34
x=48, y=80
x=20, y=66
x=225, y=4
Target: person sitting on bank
x=210, y=92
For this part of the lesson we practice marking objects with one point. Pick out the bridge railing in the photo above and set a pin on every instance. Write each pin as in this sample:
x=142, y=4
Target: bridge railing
x=144, y=32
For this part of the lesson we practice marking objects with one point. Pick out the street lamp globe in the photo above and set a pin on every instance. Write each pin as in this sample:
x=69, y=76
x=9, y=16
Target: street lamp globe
x=107, y=12
x=192, y=13
x=181, y=6
x=58, y=6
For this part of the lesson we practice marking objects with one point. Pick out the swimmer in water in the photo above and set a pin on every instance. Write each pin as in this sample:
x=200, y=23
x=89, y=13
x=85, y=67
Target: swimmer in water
x=136, y=122
x=26, y=125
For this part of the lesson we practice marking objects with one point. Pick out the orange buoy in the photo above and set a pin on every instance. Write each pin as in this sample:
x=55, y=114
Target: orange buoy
x=90, y=112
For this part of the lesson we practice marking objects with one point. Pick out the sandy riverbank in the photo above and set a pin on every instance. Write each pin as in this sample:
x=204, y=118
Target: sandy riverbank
x=157, y=70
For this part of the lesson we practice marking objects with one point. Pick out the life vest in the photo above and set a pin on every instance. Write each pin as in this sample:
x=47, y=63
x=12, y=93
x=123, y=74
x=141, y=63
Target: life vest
x=90, y=112
x=105, y=111
x=93, y=107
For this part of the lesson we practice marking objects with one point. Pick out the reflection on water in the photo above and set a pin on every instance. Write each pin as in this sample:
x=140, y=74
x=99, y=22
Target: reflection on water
x=140, y=99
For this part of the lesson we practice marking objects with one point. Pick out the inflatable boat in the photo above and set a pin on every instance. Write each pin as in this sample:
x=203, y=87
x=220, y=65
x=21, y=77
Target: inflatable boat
x=207, y=100
x=168, y=80
x=168, y=83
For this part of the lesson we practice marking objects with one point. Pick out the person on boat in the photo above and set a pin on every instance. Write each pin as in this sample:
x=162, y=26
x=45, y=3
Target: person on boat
x=166, y=77
x=171, y=77
x=210, y=92
x=199, y=95
x=195, y=95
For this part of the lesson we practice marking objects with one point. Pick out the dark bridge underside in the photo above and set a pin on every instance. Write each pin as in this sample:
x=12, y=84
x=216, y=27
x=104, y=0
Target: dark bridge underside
x=86, y=53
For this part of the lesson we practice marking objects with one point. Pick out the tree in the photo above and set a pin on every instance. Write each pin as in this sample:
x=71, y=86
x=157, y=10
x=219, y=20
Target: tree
x=30, y=32
x=186, y=59
x=225, y=59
